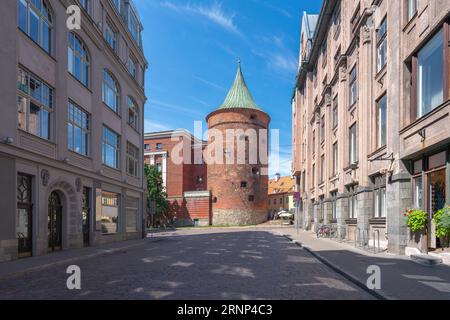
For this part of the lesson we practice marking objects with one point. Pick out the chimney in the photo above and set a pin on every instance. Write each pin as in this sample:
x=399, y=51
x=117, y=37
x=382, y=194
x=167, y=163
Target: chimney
x=277, y=177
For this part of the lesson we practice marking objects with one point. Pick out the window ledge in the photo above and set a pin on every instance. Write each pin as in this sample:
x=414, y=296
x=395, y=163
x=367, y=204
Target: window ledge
x=76, y=154
x=105, y=166
x=110, y=109
x=51, y=142
x=36, y=44
x=377, y=152
x=410, y=22
x=79, y=82
x=377, y=220
x=381, y=73
x=425, y=116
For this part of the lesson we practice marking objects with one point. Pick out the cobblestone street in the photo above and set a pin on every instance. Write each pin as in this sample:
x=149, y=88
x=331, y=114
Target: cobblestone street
x=194, y=264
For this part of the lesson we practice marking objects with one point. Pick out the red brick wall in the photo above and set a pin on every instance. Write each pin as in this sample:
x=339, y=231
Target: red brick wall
x=224, y=180
x=190, y=208
x=180, y=177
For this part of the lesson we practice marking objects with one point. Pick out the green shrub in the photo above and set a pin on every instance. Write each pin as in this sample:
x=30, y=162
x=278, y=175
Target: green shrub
x=442, y=221
x=416, y=219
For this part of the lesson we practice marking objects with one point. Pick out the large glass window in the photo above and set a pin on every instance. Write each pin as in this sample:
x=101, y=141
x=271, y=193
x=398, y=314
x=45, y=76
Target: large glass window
x=418, y=192
x=430, y=75
x=314, y=142
x=335, y=159
x=353, y=86
x=132, y=69
x=133, y=113
x=335, y=112
x=24, y=215
x=313, y=178
x=380, y=209
x=110, y=148
x=381, y=121
x=322, y=129
x=116, y=4
x=322, y=169
x=353, y=203
x=333, y=205
x=85, y=4
x=110, y=91
x=35, y=19
x=412, y=8
x=110, y=213
x=77, y=129
x=353, y=144
x=134, y=26
x=131, y=209
x=78, y=59
x=382, y=45
x=132, y=160
x=34, y=105
x=110, y=35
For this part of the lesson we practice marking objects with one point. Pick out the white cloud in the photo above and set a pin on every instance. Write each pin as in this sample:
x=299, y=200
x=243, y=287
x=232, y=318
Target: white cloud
x=175, y=107
x=154, y=126
x=214, y=13
x=210, y=83
x=283, y=62
x=278, y=57
x=280, y=163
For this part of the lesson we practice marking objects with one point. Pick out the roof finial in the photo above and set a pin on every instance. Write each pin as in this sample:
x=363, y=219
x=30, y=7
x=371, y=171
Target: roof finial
x=239, y=61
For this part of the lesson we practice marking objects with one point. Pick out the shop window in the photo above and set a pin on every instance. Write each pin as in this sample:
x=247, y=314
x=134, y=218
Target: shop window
x=428, y=70
x=380, y=209
x=109, y=218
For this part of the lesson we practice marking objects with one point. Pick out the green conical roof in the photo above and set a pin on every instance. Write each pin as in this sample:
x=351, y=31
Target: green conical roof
x=239, y=96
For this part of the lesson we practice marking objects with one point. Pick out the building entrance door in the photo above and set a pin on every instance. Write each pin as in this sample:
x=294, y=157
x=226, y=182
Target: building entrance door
x=54, y=222
x=24, y=216
x=436, y=181
x=86, y=215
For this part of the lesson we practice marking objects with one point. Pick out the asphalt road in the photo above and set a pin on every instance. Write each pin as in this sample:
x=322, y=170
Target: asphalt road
x=205, y=265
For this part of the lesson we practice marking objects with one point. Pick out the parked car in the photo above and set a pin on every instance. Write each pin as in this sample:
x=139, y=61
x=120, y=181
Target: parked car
x=285, y=215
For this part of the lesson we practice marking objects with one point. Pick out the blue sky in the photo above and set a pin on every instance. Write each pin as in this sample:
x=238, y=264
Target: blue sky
x=193, y=45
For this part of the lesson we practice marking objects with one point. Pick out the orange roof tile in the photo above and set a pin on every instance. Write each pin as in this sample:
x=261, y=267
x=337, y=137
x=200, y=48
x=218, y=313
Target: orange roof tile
x=284, y=185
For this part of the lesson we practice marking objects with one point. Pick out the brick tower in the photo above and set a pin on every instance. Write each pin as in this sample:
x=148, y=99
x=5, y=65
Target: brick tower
x=239, y=184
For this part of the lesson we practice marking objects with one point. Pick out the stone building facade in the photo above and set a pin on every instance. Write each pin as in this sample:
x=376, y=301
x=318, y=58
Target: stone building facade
x=71, y=131
x=371, y=134
x=238, y=182
x=178, y=156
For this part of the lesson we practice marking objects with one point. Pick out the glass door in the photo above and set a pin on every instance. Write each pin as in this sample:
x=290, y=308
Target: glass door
x=54, y=222
x=86, y=214
x=436, y=200
x=24, y=216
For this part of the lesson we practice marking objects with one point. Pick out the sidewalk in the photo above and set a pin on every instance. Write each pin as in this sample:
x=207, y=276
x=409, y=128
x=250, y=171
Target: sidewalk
x=400, y=277
x=32, y=264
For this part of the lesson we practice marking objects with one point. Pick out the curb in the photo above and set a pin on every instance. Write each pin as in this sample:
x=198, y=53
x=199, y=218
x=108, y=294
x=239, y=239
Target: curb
x=102, y=252
x=379, y=294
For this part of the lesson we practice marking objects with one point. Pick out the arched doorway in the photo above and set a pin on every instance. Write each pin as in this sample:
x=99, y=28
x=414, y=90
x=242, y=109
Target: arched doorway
x=54, y=222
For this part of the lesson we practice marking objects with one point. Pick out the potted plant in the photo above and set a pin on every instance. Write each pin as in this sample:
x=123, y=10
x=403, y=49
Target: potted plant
x=417, y=221
x=442, y=221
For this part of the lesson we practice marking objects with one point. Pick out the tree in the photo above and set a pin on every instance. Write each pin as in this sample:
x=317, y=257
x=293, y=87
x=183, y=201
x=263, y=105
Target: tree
x=156, y=194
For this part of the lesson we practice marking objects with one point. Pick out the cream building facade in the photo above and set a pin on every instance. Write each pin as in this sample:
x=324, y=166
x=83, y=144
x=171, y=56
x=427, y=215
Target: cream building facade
x=71, y=131
x=371, y=134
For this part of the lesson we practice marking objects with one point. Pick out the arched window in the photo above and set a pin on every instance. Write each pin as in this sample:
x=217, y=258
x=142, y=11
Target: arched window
x=133, y=113
x=78, y=59
x=110, y=91
x=36, y=20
